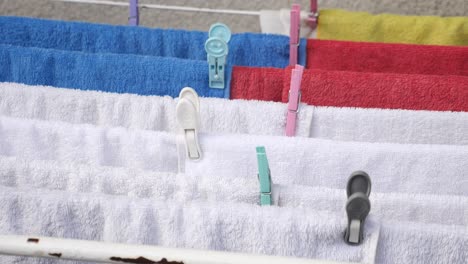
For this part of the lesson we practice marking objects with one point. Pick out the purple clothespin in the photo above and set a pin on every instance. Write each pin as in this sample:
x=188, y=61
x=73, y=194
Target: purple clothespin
x=134, y=19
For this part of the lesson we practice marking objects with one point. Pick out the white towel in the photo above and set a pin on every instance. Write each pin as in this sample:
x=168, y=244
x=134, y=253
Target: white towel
x=234, y=116
x=451, y=248
x=144, y=112
x=405, y=168
x=214, y=226
x=279, y=22
x=426, y=169
x=88, y=144
x=50, y=175
x=225, y=226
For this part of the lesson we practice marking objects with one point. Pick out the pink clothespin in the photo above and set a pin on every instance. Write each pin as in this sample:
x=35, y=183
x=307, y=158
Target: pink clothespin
x=294, y=34
x=312, y=19
x=133, y=19
x=294, y=100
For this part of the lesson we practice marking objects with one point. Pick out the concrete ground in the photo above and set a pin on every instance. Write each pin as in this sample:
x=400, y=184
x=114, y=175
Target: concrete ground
x=201, y=21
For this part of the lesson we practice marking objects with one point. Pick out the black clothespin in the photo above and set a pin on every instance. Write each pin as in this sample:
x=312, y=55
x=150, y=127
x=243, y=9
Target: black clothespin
x=358, y=206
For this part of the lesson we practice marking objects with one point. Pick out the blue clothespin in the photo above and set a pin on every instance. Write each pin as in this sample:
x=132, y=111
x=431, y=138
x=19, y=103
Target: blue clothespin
x=217, y=50
x=133, y=19
x=264, y=177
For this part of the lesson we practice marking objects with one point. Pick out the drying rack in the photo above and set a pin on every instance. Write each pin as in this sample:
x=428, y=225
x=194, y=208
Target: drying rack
x=103, y=252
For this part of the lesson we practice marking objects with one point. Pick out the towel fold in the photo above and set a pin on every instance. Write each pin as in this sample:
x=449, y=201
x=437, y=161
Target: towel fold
x=339, y=24
x=305, y=161
x=207, y=226
x=246, y=49
x=225, y=226
x=51, y=175
x=356, y=89
x=424, y=169
x=106, y=72
x=87, y=144
x=233, y=116
x=383, y=57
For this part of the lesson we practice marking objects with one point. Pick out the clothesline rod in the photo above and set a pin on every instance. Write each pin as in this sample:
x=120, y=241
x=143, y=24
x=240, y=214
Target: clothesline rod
x=168, y=7
x=103, y=252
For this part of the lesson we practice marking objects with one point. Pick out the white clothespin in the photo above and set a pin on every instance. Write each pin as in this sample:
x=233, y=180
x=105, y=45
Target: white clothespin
x=188, y=117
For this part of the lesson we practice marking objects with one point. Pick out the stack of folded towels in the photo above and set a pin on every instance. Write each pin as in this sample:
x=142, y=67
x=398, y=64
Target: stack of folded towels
x=89, y=149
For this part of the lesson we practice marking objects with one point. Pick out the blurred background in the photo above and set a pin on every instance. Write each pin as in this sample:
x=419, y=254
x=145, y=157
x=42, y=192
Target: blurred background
x=198, y=20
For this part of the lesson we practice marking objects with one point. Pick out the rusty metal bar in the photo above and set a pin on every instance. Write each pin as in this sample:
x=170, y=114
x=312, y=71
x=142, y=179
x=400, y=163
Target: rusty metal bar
x=103, y=252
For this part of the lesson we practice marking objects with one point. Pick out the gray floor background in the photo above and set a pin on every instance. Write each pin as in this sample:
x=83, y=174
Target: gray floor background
x=201, y=21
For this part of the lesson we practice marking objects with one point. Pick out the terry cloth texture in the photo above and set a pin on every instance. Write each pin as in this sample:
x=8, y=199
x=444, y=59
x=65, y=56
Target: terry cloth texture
x=246, y=49
x=403, y=168
x=87, y=144
x=297, y=232
x=184, y=188
x=336, y=24
x=233, y=116
x=355, y=89
x=383, y=57
x=120, y=73
x=316, y=162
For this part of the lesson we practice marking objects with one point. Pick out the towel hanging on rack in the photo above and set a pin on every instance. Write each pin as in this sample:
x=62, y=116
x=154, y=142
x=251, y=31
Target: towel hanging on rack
x=337, y=24
x=306, y=161
x=184, y=188
x=384, y=57
x=355, y=89
x=248, y=49
x=226, y=226
x=121, y=73
x=403, y=168
x=234, y=116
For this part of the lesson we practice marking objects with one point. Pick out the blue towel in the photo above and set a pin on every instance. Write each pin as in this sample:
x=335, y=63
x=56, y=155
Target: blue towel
x=246, y=49
x=121, y=73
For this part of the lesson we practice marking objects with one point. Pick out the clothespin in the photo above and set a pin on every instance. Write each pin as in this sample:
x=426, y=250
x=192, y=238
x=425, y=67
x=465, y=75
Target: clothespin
x=294, y=100
x=217, y=50
x=294, y=34
x=312, y=19
x=264, y=177
x=188, y=117
x=134, y=18
x=358, y=206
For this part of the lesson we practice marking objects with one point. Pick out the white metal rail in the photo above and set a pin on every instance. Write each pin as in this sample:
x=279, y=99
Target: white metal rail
x=103, y=252
x=167, y=7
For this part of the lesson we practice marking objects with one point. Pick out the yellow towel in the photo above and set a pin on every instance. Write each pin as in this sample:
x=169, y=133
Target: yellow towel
x=338, y=24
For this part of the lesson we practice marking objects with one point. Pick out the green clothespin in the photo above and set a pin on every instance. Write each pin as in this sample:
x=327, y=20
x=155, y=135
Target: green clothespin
x=264, y=177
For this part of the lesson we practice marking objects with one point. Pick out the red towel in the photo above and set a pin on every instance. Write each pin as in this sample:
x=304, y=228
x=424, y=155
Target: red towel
x=257, y=83
x=355, y=89
x=391, y=58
